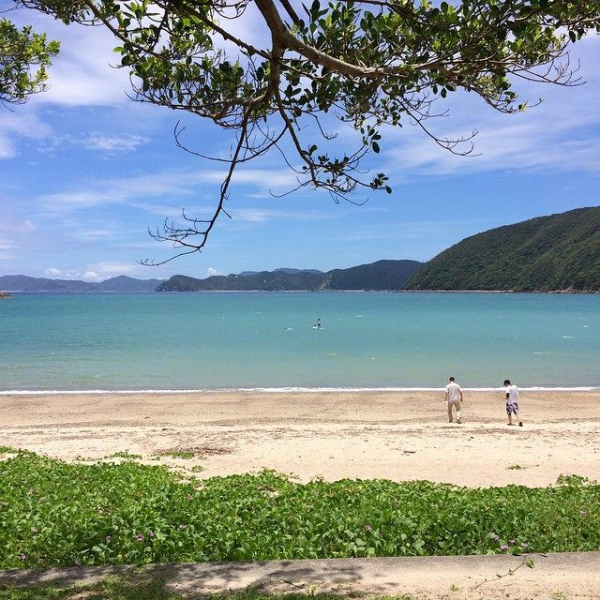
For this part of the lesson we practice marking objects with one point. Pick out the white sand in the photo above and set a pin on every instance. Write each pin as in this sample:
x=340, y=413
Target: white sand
x=364, y=435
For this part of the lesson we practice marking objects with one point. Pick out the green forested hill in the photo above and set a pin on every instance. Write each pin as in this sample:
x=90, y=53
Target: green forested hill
x=556, y=253
x=381, y=275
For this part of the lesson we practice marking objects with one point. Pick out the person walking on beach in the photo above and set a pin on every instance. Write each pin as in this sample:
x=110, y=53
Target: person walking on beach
x=453, y=399
x=512, y=402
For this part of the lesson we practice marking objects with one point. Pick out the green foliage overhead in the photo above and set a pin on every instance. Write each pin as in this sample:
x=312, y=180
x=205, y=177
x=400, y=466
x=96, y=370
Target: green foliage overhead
x=58, y=514
x=556, y=253
x=368, y=63
x=24, y=59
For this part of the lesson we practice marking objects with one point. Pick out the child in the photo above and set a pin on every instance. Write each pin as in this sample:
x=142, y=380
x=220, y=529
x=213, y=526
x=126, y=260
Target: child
x=512, y=402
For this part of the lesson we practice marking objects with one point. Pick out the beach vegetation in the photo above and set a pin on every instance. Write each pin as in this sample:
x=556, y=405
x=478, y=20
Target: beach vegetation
x=183, y=454
x=125, y=455
x=309, y=67
x=53, y=513
x=148, y=586
x=138, y=585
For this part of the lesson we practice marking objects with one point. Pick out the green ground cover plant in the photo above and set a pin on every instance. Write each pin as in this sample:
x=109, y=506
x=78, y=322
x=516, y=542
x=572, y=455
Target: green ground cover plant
x=127, y=588
x=184, y=454
x=54, y=513
x=125, y=455
x=137, y=586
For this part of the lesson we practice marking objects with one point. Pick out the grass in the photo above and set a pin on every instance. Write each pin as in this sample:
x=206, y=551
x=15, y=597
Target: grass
x=57, y=514
x=183, y=454
x=125, y=455
x=110, y=588
x=147, y=588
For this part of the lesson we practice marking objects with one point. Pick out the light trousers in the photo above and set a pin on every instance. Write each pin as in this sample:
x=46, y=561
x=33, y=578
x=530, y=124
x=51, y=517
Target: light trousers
x=456, y=405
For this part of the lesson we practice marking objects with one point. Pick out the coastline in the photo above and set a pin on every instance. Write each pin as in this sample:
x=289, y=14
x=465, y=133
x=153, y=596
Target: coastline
x=387, y=434
x=287, y=390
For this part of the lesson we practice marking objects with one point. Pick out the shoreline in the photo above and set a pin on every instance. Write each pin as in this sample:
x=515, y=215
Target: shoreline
x=286, y=390
x=400, y=436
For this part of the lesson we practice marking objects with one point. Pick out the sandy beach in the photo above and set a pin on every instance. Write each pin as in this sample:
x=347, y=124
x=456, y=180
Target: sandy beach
x=400, y=436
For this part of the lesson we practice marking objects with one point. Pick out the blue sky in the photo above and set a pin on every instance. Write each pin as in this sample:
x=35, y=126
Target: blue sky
x=85, y=171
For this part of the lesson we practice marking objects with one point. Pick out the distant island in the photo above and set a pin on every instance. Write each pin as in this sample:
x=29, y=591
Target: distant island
x=383, y=275
x=121, y=284
x=558, y=253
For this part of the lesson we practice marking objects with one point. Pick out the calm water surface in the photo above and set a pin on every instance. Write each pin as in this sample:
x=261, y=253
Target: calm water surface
x=247, y=340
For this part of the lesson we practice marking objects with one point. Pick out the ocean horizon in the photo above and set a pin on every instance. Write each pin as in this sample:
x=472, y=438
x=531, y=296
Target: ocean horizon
x=248, y=341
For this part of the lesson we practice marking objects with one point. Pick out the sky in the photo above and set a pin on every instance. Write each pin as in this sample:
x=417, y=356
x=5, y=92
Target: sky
x=85, y=172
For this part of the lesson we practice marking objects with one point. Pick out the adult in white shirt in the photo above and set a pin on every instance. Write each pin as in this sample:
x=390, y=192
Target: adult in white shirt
x=453, y=399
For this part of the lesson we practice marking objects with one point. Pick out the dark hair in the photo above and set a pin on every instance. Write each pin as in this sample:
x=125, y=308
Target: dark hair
x=507, y=382
x=451, y=378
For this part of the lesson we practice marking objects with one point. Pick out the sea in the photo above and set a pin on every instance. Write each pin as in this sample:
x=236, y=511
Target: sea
x=173, y=342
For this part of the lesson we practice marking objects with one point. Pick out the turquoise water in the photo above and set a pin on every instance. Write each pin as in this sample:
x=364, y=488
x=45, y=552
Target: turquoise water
x=266, y=340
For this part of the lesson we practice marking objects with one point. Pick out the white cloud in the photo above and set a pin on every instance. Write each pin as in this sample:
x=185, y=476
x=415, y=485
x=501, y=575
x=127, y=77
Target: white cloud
x=262, y=215
x=250, y=215
x=94, y=272
x=77, y=200
x=114, y=268
x=90, y=235
x=91, y=276
x=263, y=179
x=27, y=123
x=22, y=122
x=107, y=143
x=13, y=224
x=6, y=244
x=557, y=135
x=7, y=148
x=211, y=272
x=179, y=186
x=81, y=75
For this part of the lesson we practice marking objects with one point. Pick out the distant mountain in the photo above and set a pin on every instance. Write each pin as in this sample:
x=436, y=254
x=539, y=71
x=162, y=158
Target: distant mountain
x=263, y=281
x=128, y=284
x=296, y=271
x=22, y=283
x=548, y=254
x=121, y=284
x=382, y=275
x=288, y=271
x=378, y=276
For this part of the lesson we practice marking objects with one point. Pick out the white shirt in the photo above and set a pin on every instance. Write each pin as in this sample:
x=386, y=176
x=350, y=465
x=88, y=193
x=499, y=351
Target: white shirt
x=513, y=394
x=453, y=391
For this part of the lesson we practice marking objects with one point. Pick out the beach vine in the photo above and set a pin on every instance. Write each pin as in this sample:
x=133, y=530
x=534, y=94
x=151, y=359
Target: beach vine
x=54, y=513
